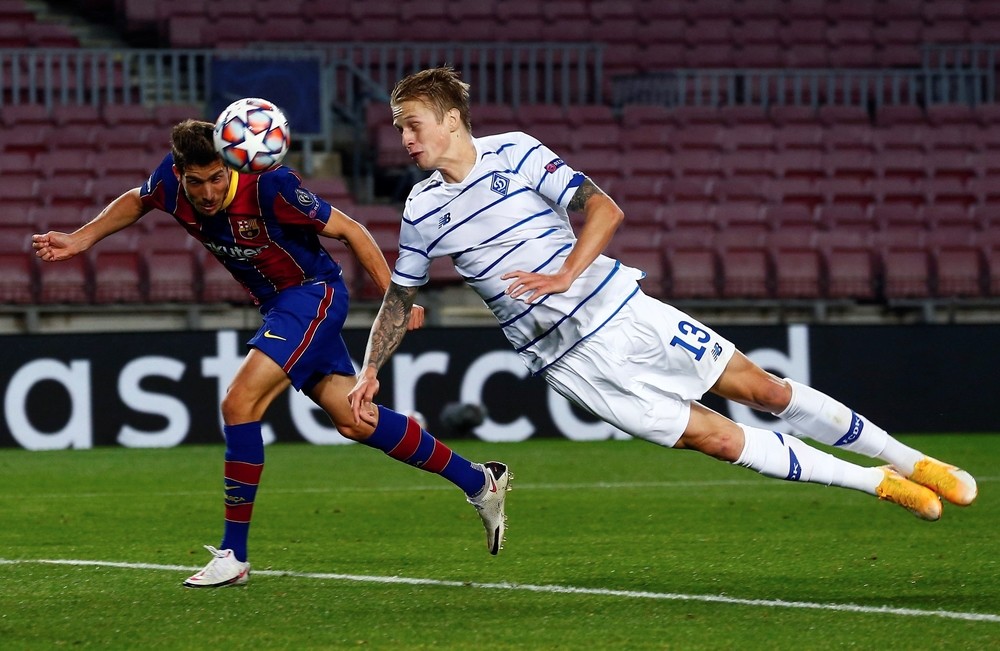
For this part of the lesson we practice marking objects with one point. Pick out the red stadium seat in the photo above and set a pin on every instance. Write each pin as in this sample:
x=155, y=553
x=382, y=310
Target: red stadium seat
x=67, y=281
x=798, y=273
x=959, y=272
x=992, y=259
x=850, y=273
x=118, y=277
x=894, y=114
x=692, y=273
x=17, y=277
x=127, y=114
x=906, y=273
x=172, y=276
x=746, y=273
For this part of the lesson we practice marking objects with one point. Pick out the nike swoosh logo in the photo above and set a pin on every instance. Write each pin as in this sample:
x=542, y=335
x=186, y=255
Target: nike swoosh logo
x=231, y=488
x=493, y=486
x=268, y=335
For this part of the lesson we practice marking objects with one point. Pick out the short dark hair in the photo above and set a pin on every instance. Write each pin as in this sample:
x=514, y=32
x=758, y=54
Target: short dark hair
x=440, y=88
x=191, y=144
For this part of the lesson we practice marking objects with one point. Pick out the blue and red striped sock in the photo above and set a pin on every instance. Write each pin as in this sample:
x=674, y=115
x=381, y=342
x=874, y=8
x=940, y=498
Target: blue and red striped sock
x=403, y=439
x=244, y=464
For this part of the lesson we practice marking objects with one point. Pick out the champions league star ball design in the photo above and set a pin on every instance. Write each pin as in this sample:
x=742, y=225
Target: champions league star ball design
x=252, y=135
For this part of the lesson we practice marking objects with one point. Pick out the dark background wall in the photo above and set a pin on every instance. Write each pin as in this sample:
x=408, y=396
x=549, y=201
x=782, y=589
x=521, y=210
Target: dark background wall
x=163, y=388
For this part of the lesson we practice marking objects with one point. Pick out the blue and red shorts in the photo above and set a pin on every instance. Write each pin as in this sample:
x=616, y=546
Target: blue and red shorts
x=302, y=332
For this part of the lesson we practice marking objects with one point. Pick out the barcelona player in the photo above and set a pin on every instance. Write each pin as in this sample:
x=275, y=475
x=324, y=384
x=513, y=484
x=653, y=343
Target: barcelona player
x=264, y=229
x=498, y=207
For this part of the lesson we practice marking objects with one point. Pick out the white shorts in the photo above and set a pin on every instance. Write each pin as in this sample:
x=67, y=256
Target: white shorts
x=641, y=371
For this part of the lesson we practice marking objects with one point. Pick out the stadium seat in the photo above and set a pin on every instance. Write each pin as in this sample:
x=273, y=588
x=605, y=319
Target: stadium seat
x=850, y=164
x=15, y=234
x=799, y=163
x=992, y=260
x=906, y=273
x=65, y=163
x=126, y=114
x=167, y=115
x=67, y=281
x=492, y=118
x=907, y=164
x=118, y=276
x=849, y=273
x=50, y=35
x=635, y=116
x=746, y=273
x=692, y=273
x=959, y=272
x=749, y=135
x=798, y=273
x=899, y=114
x=73, y=116
x=70, y=191
x=172, y=276
x=17, y=277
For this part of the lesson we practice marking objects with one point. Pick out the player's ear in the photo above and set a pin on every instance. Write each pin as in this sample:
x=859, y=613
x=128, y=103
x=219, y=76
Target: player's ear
x=454, y=119
x=177, y=172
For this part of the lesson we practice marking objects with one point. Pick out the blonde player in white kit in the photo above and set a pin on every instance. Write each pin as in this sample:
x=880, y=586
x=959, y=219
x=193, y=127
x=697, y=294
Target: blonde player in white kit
x=497, y=205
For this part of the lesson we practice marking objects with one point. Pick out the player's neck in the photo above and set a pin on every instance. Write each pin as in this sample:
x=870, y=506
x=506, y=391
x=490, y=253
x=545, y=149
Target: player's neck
x=459, y=160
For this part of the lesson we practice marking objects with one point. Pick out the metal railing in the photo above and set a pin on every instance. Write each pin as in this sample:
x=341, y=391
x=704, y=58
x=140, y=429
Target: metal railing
x=840, y=87
x=102, y=76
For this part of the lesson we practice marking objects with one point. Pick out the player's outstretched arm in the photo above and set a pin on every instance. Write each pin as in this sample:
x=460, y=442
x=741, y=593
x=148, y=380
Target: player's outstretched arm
x=387, y=333
x=602, y=216
x=120, y=213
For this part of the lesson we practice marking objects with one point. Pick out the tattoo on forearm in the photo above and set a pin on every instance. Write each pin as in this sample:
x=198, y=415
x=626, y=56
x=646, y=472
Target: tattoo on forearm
x=390, y=324
x=586, y=190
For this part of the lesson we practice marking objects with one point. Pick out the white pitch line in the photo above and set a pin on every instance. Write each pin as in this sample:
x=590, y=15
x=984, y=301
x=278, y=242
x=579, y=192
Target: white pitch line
x=552, y=589
x=759, y=482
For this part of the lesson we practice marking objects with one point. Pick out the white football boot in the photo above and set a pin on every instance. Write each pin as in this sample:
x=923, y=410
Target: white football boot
x=221, y=571
x=490, y=503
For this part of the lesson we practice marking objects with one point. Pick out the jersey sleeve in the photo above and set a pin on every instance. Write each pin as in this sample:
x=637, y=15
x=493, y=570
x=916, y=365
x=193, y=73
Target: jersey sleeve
x=160, y=189
x=545, y=170
x=413, y=264
x=292, y=203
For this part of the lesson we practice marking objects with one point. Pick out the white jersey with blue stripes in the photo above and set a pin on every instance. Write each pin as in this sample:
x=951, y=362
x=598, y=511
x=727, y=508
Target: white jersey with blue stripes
x=509, y=214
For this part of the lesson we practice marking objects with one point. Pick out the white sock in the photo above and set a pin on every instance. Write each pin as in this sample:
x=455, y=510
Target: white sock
x=785, y=457
x=828, y=421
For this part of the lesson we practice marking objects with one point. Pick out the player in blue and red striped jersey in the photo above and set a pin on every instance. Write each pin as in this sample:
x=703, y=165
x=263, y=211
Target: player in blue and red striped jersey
x=264, y=229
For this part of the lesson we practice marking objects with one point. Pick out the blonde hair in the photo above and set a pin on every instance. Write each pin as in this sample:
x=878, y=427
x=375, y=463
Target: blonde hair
x=439, y=88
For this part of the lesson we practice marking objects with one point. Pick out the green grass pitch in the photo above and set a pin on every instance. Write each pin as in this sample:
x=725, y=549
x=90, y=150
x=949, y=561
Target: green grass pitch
x=611, y=545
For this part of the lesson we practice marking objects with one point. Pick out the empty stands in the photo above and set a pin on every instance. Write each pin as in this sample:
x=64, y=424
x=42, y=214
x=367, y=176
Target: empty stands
x=863, y=202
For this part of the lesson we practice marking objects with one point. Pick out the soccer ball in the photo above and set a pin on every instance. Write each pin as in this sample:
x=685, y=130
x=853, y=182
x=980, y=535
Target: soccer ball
x=252, y=135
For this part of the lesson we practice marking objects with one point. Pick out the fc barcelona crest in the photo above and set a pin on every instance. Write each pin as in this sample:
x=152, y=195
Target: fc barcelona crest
x=248, y=228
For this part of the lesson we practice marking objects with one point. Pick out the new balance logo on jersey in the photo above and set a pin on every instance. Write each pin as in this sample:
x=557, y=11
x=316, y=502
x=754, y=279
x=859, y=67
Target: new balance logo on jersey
x=499, y=183
x=716, y=351
x=444, y=220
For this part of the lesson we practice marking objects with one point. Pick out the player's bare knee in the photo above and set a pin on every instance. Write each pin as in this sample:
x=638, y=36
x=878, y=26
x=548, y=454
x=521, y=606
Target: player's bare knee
x=354, y=431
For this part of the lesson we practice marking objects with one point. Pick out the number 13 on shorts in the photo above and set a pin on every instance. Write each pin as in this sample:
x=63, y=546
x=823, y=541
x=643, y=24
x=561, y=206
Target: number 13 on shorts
x=695, y=340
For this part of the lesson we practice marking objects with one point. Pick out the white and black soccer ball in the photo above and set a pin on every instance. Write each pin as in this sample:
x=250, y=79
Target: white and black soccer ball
x=252, y=135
